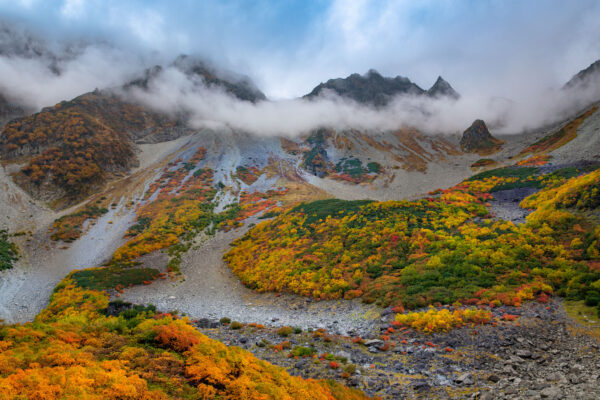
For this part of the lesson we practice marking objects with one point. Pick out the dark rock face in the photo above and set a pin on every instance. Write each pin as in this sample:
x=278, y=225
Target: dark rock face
x=585, y=78
x=441, y=88
x=477, y=139
x=371, y=88
x=377, y=90
x=10, y=109
x=200, y=72
x=316, y=159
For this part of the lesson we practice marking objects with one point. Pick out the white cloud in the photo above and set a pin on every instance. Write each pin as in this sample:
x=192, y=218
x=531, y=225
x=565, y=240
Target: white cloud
x=148, y=26
x=73, y=8
x=519, y=50
x=173, y=92
x=31, y=81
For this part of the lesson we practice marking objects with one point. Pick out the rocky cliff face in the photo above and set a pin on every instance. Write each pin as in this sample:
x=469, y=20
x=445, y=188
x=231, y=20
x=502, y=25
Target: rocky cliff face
x=477, y=139
x=441, y=88
x=585, y=78
x=371, y=88
x=239, y=86
x=375, y=89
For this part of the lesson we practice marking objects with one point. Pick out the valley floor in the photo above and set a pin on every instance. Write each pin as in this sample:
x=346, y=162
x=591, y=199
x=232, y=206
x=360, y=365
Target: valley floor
x=543, y=354
x=208, y=289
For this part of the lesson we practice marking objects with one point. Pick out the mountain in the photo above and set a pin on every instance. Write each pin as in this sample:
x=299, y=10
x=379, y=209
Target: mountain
x=477, y=139
x=70, y=149
x=10, y=109
x=24, y=44
x=201, y=73
x=240, y=86
x=585, y=78
x=442, y=88
x=120, y=213
x=375, y=89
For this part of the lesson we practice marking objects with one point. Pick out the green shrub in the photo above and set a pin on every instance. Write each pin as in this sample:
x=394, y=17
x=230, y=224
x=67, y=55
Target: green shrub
x=225, y=320
x=285, y=331
x=236, y=325
x=350, y=368
x=8, y=251
x=301, y=351
x=111, y=277
x=592, y=298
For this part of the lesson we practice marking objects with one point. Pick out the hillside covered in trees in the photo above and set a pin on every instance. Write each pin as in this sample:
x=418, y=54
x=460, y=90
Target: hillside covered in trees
x=438, y=250
x=72, y=148
x=82, y=346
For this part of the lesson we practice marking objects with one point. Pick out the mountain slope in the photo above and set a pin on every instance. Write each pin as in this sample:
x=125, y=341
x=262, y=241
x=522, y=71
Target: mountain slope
x=585, y=78
x=10, y=109
x=202, y=74
x=72, y=148
x=82, y=346
x=239, y=86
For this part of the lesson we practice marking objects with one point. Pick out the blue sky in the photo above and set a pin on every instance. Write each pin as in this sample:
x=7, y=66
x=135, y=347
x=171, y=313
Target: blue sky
x=290, y=46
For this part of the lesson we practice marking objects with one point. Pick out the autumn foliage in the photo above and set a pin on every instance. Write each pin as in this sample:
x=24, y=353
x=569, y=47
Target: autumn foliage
x=76, y=145
x=434, y=320
x=179, y=202
x=560, y=137
x=440, y=249
x=70, y=227
x=76, y=349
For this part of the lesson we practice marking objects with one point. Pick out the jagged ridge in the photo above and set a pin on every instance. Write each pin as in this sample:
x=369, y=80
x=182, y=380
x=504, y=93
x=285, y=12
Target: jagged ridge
x=373, y=88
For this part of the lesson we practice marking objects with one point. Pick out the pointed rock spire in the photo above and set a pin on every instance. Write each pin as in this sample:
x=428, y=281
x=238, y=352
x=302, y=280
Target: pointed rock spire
x=477, y=139
x=442, y=88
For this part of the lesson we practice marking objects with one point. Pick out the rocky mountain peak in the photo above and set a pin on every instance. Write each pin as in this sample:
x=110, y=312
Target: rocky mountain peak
x=586, y=77
x=375, y=89
x=371, y=88
x=199, y=71
x=478, y=139
x=240, y=86
x=442, y=88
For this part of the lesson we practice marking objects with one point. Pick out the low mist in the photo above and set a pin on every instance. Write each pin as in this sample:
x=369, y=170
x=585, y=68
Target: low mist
x=174, y=92
x=38, y=74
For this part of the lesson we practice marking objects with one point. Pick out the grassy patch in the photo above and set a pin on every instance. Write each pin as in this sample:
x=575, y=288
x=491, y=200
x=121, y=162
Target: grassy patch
x=585, y=315
x=68, y=227
x=111, y=277
x=321, y=209
x=8, y=251
x=506, y=172
x=561, y=137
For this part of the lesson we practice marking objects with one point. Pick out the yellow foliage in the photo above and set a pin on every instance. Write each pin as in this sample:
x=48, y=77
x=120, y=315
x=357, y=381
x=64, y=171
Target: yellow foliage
x=434, y=320
x=73, y=350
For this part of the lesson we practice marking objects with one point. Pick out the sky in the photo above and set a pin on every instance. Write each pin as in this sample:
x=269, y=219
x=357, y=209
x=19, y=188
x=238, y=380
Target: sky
x=492, y=49
x=289, y=46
